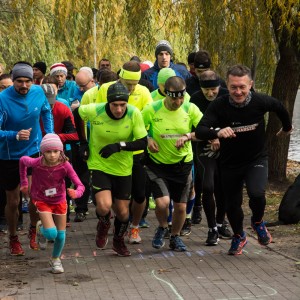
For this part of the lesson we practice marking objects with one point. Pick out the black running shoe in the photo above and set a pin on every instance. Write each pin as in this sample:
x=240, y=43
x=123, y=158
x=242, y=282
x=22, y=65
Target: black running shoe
x=212, y=238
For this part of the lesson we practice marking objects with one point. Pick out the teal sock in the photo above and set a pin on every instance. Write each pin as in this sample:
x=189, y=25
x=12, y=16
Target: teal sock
x=59, y=243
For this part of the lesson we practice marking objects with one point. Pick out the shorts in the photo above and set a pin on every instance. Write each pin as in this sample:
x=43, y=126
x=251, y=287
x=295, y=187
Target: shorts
x=55, y=209
x=10, y=178
x=165, y=180
x=120, y=186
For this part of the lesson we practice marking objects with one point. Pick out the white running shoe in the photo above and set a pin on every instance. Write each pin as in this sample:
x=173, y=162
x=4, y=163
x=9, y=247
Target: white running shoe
x=56, y=266
x=40, y=239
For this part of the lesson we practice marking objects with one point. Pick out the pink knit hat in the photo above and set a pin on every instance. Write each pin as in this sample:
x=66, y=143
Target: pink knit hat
x=50, y=142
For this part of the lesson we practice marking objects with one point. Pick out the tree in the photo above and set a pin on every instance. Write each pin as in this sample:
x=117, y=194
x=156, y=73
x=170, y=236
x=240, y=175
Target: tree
x=285, y=17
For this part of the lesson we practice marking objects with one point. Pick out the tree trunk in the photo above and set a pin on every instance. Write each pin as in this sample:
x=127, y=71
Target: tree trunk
x=285, y=87
x=286, y=81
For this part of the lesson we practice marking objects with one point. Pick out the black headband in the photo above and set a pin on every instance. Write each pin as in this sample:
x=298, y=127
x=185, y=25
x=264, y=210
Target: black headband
x=209, y=83
x=175, y=94
x=202, y=64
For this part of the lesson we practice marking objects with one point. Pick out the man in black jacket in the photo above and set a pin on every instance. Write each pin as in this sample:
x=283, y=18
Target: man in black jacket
x=243, y=153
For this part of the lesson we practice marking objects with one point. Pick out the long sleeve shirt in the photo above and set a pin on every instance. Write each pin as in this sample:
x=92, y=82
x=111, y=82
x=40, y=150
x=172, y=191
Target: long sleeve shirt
x=45, y=178
x=248, y=124
x=19, y=112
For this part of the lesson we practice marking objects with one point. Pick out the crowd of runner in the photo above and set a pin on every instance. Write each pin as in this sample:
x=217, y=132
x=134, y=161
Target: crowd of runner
x=177, y=134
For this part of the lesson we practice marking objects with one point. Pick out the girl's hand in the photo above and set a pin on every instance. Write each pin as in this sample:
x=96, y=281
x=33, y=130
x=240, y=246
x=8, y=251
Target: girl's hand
x=25, y=191
x=72, y=193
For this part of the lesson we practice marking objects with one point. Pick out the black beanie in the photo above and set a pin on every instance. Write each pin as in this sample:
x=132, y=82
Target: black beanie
x=41, y=66
x=163, y=45
x=117, y=92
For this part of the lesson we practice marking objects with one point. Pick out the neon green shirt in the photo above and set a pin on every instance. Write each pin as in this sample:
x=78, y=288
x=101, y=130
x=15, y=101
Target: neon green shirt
x=105, y=130
x=166, y=126
x=156, y=95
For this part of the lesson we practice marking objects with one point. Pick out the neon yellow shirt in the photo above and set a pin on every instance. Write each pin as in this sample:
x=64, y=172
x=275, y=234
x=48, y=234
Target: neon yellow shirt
x=166, y=126
x=90, y=96
x=104, y=131
x=139, y=98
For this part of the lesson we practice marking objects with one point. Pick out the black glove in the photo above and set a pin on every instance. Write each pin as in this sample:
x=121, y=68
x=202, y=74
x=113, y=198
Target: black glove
x=110, y=149
x=84, y=150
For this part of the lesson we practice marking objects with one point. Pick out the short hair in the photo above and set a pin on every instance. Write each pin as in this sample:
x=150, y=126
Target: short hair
x=209, y=75
x=191, y=58
x=202, y=57
x=176, y=83
x=132, y=66
x=107, y=76
x=136, y=58
x=5, y=76
x=50, y=79
x=103, y=59
x=238, y=70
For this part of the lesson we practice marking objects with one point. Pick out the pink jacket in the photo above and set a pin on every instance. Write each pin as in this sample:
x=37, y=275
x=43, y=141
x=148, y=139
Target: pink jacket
x=48, y=183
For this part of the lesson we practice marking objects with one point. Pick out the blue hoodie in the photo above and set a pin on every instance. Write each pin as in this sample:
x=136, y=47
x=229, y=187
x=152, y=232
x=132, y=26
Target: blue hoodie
x=151, y=74
x=19, y=112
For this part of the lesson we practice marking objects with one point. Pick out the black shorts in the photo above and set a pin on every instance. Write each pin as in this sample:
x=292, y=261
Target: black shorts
x=10, y=174
x=174, y=181
x=120, y=186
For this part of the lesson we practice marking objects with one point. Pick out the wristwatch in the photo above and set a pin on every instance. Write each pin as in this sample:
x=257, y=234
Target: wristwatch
x=122, y=145
x=17, y=137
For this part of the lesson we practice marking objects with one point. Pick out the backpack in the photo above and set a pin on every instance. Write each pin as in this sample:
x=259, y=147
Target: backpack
x=289, y=208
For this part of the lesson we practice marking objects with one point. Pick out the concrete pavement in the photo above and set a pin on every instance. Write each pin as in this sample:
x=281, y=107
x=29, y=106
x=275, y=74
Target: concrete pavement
x=200, y=273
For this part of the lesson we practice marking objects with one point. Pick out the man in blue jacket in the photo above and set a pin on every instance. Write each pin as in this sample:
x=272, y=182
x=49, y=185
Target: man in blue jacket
x=163, y=54
x=21, y=107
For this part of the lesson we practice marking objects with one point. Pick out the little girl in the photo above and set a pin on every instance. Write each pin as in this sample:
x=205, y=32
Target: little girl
x=48, y=193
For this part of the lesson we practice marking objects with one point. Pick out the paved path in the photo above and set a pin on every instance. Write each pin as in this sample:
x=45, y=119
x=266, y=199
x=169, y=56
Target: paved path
x=200, y=273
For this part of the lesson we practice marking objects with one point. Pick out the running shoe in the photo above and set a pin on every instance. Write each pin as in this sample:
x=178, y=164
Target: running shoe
x=20, y=226
x=32, y=239
x=134, y=236
x=152, y=203
x=237, y=244
x=263, y=235
x=40, y=239
x=119, y=247
x=176, y=244
x=187, y=227
x=79, y=217
x=102, y=234
x=56, y=265
x=15, y=246
x=158, y=240
x=224, y=232
x=212, y=238
x=25, y=203
x=144, y=224
x=3, y=228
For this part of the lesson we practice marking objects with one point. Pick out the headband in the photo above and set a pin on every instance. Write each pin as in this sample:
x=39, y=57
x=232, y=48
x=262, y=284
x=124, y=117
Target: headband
x=209, y=83
x=202, y=65
x=129, y=75
x=175, y=94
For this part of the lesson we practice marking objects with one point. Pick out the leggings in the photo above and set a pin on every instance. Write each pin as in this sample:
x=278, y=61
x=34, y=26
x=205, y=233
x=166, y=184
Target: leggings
x=254, y=176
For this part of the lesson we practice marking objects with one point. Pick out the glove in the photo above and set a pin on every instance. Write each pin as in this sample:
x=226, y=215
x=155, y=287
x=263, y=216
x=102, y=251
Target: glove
x=110, y=149
x=24, y=190
x=72, y=193
x=84, y=150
